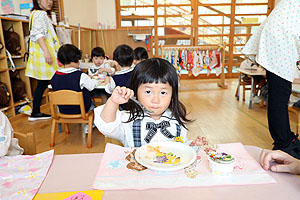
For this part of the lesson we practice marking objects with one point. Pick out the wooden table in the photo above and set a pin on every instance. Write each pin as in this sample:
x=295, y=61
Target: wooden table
x=76, y=172
x=252, y=74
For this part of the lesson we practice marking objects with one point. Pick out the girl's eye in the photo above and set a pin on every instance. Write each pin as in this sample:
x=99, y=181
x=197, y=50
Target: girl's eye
x=148, y=92
x=163, y=92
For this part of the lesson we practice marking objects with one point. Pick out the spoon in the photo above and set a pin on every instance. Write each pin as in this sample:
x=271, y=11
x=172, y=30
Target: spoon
x=141, y=105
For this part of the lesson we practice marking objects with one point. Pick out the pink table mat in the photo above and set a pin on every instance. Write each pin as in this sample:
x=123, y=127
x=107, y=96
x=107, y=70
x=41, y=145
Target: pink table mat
x=114, y=175
x=21, y=176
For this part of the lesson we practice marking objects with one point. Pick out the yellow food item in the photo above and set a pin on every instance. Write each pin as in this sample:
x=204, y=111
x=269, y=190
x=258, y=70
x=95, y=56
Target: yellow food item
x=177, y=160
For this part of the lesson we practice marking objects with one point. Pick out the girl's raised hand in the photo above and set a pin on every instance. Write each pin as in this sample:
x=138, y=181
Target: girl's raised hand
x=121, y=95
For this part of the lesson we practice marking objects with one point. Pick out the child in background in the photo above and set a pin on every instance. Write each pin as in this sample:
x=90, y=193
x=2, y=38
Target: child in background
x=123, y=57
x=99, y=66
x=155, y=84
x=139, y=54
x=69, y=77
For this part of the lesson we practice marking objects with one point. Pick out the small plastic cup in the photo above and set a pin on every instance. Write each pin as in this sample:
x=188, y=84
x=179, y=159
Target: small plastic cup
x=221, y=163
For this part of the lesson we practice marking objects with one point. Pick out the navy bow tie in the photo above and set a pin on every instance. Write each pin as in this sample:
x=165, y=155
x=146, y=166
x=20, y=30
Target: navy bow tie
x=152, y=127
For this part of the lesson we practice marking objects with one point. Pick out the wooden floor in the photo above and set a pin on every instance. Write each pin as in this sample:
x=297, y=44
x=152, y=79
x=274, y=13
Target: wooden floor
x=217, y=114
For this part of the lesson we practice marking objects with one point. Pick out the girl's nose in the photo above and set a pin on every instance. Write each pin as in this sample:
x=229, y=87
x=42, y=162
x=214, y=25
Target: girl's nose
x=155, y=99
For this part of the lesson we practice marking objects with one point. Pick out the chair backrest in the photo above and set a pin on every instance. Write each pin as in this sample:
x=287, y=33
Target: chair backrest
x=67, y=97
x=27, y=142
x=113, y=141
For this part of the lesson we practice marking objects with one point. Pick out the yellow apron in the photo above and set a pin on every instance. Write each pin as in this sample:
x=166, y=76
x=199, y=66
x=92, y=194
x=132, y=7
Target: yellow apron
x=36, y=66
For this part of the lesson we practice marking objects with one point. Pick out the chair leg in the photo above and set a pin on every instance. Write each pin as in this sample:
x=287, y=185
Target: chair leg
x=236, y=92
x=67, y=130
x=90, y=126
x=261, y=104
x=298, y=123
x=52, y=136
x=244, y=88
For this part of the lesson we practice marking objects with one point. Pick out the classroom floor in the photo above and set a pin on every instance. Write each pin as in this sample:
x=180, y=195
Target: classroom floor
x=217, y=114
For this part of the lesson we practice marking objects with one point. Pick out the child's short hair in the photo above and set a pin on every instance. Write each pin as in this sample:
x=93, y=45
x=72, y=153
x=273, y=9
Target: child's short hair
x=98, y=52
x=68, y=53
x=123, y=54
x=140, y=53
x=157, y=70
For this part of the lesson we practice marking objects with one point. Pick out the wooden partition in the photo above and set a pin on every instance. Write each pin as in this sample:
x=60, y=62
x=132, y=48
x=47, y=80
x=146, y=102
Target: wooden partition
x=109, y=39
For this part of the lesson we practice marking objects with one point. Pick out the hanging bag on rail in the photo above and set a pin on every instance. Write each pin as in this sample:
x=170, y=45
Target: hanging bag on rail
x=12, y=41
x=4, y=95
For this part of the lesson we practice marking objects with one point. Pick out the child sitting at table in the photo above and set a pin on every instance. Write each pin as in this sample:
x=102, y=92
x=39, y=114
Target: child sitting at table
x=99, y=65
x=69, y=77
x=155, y=84
x=139, y=54
x=123, y=57
x=8, y=144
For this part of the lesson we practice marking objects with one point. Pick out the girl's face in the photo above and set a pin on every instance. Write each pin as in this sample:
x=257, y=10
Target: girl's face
x=45, y=4
x=98, y=60
x=155, y=97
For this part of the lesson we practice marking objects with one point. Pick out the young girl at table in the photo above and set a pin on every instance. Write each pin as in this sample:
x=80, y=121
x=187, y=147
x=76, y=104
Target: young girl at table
x=154, y=82
x=99, y=65
x=69, y=77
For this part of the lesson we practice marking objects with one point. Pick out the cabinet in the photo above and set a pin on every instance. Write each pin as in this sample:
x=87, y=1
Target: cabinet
x=6, y=72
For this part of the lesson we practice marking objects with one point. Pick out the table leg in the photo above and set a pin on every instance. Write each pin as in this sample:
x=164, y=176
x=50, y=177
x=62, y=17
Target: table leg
x=238, y=89
x=251, y=92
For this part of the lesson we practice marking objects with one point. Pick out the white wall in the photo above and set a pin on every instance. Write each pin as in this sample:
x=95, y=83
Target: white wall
x=106, y=13
x=90, y=12
x=83, y=12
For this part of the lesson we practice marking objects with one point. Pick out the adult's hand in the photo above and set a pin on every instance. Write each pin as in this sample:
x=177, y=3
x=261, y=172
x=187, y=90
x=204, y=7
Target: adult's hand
x=283, y=162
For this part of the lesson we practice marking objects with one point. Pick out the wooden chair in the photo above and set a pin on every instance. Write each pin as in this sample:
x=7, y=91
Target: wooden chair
x=247, y=86
x=296, y=111
x=113, y=141
x=27, y=142
x=69, y=97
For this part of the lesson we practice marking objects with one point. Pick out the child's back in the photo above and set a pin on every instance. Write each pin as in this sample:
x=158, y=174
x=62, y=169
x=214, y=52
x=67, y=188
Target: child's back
x=71, y=78
x=123, y=55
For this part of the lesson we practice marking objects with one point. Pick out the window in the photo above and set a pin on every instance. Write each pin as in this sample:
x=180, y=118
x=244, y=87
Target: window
x=197, y=22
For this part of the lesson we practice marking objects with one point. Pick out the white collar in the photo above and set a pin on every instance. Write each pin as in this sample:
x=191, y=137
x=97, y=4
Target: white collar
x=124, y=71
x=67, y=70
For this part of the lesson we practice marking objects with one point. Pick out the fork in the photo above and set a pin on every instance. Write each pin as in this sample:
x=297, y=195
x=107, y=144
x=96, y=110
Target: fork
x=141, y=105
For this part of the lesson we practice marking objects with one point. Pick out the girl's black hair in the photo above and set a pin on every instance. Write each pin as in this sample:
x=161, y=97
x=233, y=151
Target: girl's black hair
x=157, y=70
x=36, y=6
x=97, y=52
x=123, y=54
x=68, y=53
x=140, y=53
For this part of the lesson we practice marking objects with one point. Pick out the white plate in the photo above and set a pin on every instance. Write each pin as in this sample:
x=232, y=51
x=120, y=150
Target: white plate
x=186, y=153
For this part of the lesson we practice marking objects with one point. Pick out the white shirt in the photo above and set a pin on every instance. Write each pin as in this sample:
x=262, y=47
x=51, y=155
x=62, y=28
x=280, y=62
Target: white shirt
x=94, y=68
x=85, y=80
x=276, y=43
x=41, y=24
x=109, y=88
x=123, y=131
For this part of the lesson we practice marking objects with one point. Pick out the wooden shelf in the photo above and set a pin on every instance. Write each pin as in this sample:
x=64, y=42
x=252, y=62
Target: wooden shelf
x=20, y=27
x=5, y=108
x=22, y=102
x=20, y=56
x=17, y=68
